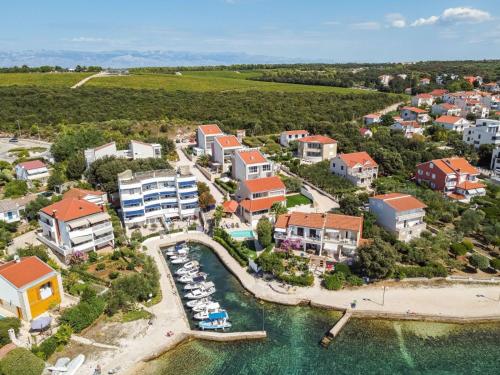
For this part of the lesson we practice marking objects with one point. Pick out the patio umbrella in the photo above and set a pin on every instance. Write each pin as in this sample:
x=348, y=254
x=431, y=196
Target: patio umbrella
x=41, y=323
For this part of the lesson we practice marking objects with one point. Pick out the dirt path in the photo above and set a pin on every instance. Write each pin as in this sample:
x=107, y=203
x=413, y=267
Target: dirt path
x=85, y=80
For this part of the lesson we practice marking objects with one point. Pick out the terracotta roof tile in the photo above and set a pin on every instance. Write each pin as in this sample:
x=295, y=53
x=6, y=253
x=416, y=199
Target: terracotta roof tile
x=415, y=109
x=230, y=206
x=282, y=221
x=33, y=164
x=356, y=158
x=294, y=132
x=469, y=185
x=80, y=193
x=255, y=205
x=71, y=209
x=25, y=271
x=317, y=139
x=264, y=184
x=252, y=157
x=320, y=221
x=228, y=141
x=448, y=119
x=401, y=202
x=210, y=129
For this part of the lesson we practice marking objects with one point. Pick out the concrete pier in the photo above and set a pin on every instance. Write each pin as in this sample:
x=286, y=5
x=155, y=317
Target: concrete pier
x=228, y=336
x=336, y=329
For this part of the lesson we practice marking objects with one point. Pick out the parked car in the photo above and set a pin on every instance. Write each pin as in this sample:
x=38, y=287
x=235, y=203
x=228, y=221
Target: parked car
x=13, y=140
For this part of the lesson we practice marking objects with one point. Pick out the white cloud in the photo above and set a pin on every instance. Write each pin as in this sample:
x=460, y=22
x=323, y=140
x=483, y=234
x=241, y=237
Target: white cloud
x=84, y=39
x=396, y=20
x=366, y=26
x=426, y=21
x=455, y=15
x=331, y=23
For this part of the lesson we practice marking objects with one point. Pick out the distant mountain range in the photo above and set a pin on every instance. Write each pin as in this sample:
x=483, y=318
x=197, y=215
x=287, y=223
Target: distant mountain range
x=125, y=59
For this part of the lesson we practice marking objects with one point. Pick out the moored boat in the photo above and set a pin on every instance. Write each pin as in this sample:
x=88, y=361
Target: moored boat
x=200, y=293
x=215, y=321
x=198, y=302
x=211, y=305
x=200, y=284
x=180, y=260
x=190, y=276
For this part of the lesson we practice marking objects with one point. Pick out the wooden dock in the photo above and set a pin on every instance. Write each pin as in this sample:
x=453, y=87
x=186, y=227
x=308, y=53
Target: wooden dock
x=327, y=339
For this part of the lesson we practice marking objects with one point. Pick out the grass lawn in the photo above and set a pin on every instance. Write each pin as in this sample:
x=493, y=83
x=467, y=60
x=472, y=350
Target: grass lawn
x=207, y=81
x=132, y=315
x=297, y=200
x=41, y=79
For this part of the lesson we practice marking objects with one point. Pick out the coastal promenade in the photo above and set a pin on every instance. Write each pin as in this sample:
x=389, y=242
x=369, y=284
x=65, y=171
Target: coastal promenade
x=453, y=302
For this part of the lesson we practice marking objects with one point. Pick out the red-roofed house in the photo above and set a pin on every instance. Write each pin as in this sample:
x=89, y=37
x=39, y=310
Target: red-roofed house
x=365, y=132
x=409, y=128
x=455, y=177
x=424, y=81
x=205, y=136
x=93, y=196
x=372, y=118
x=357, y=167
x=29, y=287
x=446, y=109
x=330, y=235
x=415, y=114
x=422, y=100
x=438, y=93
x=257, y=196
x=224, y=148
x=30, y=171
x=458, y=124
x=292, y=135
x=401, y=214
x=249, y=164
x=75, y=225
x=316, y=148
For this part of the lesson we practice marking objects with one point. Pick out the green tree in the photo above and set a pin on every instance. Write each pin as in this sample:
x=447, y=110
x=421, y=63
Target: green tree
x=218, y=214
x=470, y=221
x=75, y=167
x=15, y=189
x=5, y=325
x=205, y=200
x=264, y=231
x=21, y=362
x=479, y=261
x=32, y=208
x=278, y=209
x=56, y=179
x=377, y=259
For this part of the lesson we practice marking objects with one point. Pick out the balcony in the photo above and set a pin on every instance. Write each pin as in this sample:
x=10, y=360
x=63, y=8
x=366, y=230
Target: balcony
x=100, y=228
x=87, y=231
x=101, y=240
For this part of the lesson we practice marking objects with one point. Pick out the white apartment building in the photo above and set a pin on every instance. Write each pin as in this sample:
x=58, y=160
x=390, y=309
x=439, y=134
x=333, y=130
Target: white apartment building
x=495, y=162
x=357, y=167
x=75, y=225
x=249, y=164
x=330, y=235
x=422, y=100
x=31, y=171
x=136, y=150
x=224, y=148
x=155, y=196
x=292, y=135
x=484, y=132
x=401, y=214
x=205, y=136
x=458, y=124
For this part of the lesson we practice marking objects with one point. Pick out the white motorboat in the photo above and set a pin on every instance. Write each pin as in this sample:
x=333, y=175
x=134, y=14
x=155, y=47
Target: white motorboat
x=64, y=366
x=189, y=266
x=177, y=256
x=197, y=302
x=200, y=284
x=204, y=306
x=182, y=271
x=190, y=276
x=200, y=293
x=203, y=315
x=174, y=253
x=218, y=320
x=180, y=260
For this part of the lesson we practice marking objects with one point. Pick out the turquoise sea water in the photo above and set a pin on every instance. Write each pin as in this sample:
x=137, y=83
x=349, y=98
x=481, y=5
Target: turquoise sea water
x=292, y=346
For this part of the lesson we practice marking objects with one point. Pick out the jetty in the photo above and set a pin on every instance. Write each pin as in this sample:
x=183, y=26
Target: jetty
x=227, y=336
x=327, y=339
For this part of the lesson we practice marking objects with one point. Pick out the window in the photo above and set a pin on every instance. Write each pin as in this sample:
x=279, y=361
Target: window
x=433, y=176
x=266, y=167
x=253, y=169
x=300, y=232
x=342, y=168
x=45, y=291
x=420, y=171
x=333, y=164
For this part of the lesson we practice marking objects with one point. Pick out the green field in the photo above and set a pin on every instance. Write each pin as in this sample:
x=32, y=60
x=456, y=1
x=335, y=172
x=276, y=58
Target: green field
x=41, y=79
x=204, y=81
x=297, y=200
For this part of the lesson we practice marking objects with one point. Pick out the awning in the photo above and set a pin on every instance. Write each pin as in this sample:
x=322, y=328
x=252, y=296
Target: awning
x=156, y=205
x=78, y=223
x=168, y=194
x=186, y=183
x=82, y=239
x=217, y=315
x=99, y=217
x=132, y=202
x=133, y=213
x=189, y=194
x=149, y=196
x=41, y=323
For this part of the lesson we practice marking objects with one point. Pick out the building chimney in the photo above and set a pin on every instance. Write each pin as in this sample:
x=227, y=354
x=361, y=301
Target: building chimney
x=54, y=213
x=17, y=259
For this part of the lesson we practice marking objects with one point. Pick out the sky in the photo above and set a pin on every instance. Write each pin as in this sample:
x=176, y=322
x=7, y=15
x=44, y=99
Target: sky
x=316, y=30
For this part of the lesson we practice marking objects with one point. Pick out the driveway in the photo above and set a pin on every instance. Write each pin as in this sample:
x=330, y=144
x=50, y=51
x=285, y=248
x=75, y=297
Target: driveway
x=28, y=238
x=5, y=146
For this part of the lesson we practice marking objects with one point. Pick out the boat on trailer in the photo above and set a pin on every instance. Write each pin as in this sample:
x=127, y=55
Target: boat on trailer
x=218, y=320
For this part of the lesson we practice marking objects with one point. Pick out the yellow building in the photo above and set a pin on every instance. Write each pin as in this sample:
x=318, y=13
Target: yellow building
x=29, y=287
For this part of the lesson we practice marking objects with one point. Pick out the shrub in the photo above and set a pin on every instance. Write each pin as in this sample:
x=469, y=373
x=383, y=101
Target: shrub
x=116, y=255
x=479, y=261
x=100, y=266
x=342, y=268
x=264, y=231
x=5, y=325
x=429, y=271
x=46, y=348
x=113, y=275
x=354, y=280
x=93, y=257
x=84, y=314
x=21, y=362
x=458, y=249
x=495, y=263
x=305, y=279
x=30, y=250
x=334, y=281
x=468, y=245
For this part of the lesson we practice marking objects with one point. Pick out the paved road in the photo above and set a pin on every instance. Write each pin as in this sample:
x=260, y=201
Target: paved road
x=5, y=146
x=183, y=160
x=28, y=238
x=85, y=80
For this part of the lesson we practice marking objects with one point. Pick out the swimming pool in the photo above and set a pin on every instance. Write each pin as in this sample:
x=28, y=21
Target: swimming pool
x=242, y=234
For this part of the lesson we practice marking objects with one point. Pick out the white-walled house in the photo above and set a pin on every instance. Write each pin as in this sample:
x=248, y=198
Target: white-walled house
x=249, y=164
x=446, y=109
x=484, y=132
x=93, y=196
x=401, y=214
x=409, y=128
x=422, y=100
x=224, y=148
x=372, y=118
x=330, y=235
x=11, y=210
x=292, y=135
x=458, y=124
x=316, y=148
x=75, y=225
x=31, y=171
x=136, y=150
x=357, y=167
x=415, y=114
x=366, y=133
x=205, y=136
